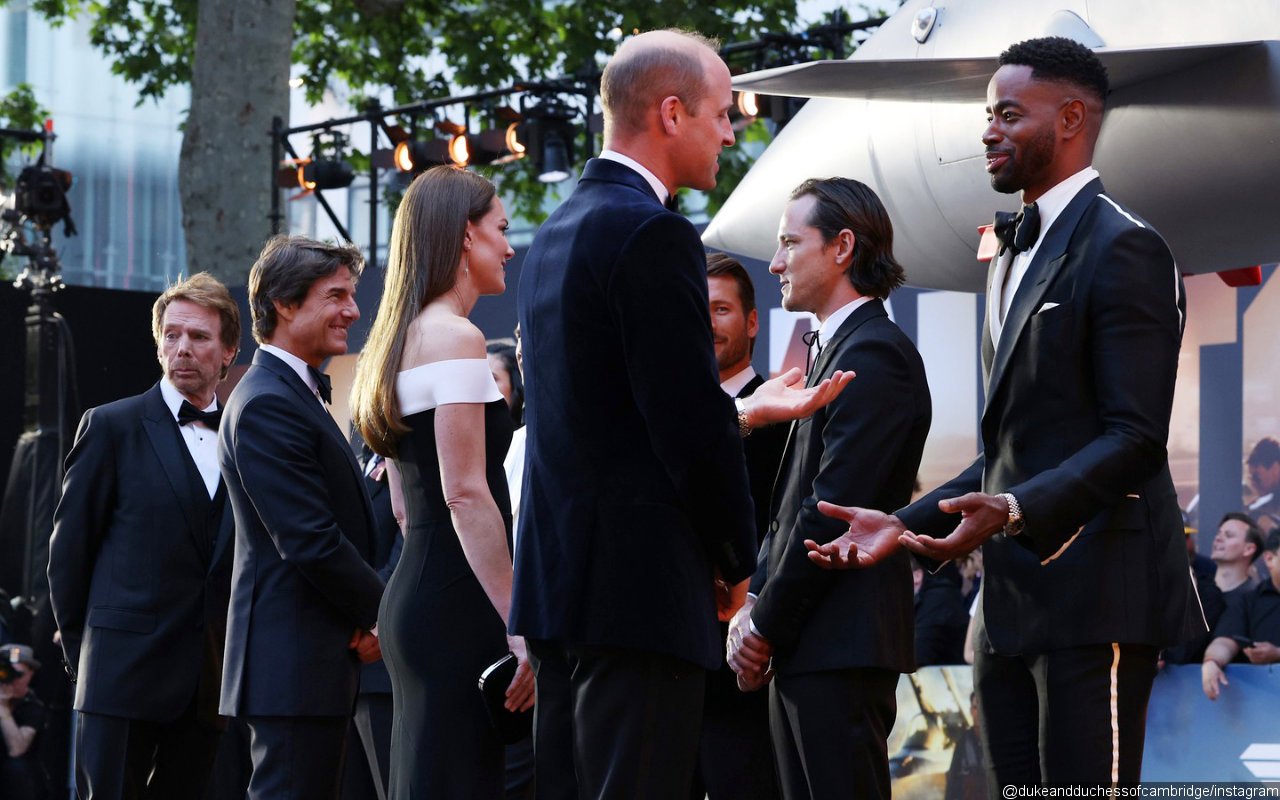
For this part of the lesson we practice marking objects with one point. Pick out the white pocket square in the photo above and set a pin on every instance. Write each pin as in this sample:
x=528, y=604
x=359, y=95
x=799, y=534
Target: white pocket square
x=1046, y=307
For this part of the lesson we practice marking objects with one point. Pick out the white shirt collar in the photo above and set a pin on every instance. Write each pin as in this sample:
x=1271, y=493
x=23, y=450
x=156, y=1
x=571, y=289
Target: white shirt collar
x=734, y=385
x=627, y=161
x=296, y=364
x=1051, y=203
x=832, y=323
x=173, y=398
x=1262, y=501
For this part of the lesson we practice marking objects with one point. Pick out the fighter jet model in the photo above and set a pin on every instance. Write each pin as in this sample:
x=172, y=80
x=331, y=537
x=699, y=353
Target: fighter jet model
x=1191, y=138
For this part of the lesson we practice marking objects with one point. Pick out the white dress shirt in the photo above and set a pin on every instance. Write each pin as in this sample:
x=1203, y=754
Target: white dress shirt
x=1050, y=205
x=296, y=364
x=202, y=441
x=734, y=385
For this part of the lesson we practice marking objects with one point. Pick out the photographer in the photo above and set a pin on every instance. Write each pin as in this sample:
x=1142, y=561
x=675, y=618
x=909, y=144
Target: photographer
x=22, y=718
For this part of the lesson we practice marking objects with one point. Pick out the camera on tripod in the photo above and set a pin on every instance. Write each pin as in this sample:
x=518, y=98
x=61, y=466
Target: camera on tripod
x=41, y=195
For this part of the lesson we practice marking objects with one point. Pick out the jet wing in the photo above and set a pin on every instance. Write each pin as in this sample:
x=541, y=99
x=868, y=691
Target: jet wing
x=960, y=79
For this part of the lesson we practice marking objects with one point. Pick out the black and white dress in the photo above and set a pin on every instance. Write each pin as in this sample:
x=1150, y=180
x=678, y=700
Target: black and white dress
x=438, y=629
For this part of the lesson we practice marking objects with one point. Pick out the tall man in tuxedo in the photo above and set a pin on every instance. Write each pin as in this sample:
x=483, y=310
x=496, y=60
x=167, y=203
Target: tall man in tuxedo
x=1071, y=499
x=636, y=496
x=838, y=641
x=735, y=756
x=140, y=562
x=303, y=595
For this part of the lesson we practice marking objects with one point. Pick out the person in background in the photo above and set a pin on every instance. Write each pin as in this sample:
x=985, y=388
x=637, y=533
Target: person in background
x=942, y=618
x=506, y=372
x=1252, y=627
x=1236, y=546
x=22, y=718
x=1263, y=464
x=735, y=753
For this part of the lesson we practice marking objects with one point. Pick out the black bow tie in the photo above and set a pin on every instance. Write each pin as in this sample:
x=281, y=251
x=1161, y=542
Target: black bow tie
x=1018, y=232
x=812, y=342
x=188, y=413
x=323, y=387
x=673, y=203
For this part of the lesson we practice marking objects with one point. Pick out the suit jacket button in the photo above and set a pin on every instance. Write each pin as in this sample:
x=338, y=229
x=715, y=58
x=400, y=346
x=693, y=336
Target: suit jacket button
x=773, y=526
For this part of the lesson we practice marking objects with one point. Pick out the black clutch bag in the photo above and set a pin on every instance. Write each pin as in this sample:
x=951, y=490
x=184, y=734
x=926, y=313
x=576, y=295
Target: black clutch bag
x=511, y=726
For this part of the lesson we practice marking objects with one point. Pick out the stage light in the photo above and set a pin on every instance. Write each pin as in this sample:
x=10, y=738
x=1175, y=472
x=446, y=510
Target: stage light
x=459, y=150
x=514, y=144
x=326, y=168
x=326, y=173
x=496, y=145
x=555, y=158
x=415, y=156
x=547, y=136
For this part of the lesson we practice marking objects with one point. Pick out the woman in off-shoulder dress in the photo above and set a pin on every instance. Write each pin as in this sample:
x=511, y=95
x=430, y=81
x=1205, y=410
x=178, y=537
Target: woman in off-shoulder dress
x=424, y=397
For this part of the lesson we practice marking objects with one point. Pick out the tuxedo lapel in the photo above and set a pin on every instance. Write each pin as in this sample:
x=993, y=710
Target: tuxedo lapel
x=991, y=320
x=1044, y=268
x=869, y=310
x=166, y=440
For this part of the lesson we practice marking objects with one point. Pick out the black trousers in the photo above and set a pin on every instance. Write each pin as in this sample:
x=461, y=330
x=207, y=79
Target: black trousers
x=735, y=752
x=614, y=723
x=1071, y=716
x=831, y=732
x=134, y=759
x=297, y=758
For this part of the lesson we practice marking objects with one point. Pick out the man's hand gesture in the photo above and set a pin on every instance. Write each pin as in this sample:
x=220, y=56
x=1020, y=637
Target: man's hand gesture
x=872, y=536
x=785, y=397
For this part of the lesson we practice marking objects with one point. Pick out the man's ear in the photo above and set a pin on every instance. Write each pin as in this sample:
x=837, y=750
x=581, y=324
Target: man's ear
x=753, y=324
x=1072, y=118
x=844, y=243
x=670, y=112
x=284, y=311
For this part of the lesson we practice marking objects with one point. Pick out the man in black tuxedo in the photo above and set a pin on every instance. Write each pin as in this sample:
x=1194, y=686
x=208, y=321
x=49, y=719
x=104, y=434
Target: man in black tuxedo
x=1071, y=499
x=735, y=755
x=837, y=641
x=303, y=595
x=140, y=562
x=636, y=497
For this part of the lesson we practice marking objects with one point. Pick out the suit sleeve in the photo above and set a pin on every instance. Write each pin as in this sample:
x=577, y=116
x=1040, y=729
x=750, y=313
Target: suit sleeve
x=924, y=517
x=863, y=430
x=79, y=523
x=658, y=294
x=1134, y=332
x=275, y=455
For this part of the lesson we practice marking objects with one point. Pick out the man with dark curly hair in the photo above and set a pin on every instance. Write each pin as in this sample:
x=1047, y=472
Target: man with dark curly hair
x=1071, y=499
